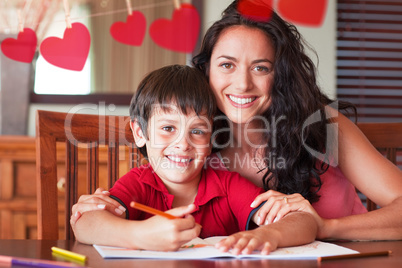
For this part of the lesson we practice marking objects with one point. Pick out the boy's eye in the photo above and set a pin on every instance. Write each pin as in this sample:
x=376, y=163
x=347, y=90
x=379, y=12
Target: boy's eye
x=197, y=132
x=168, y=128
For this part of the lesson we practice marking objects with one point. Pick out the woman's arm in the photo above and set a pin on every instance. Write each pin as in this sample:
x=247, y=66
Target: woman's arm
x=156, y=233
x=377, y=178
x=367, y=170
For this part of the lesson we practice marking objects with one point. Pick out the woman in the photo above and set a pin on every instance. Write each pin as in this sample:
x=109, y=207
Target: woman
x=275, y=130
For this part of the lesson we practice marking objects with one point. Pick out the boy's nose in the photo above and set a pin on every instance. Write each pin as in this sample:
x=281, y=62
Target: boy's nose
x=183, y=143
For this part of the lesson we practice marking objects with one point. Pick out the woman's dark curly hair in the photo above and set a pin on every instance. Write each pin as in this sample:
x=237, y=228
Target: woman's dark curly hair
x=295, y=96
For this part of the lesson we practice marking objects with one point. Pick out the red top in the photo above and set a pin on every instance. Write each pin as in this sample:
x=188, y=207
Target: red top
x=222, y=202
x=338, y=197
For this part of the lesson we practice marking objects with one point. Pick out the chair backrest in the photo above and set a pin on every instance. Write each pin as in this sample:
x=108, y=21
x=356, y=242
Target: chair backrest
x=91, y=133
x=387, y=138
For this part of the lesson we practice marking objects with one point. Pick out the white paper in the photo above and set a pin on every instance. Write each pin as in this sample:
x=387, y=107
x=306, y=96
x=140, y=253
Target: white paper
x=309, y=251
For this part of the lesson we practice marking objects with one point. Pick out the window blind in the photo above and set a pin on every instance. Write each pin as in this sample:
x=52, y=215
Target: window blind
x=369, y=58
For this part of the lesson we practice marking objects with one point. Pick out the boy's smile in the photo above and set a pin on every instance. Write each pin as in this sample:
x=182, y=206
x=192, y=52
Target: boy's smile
x=182, y=161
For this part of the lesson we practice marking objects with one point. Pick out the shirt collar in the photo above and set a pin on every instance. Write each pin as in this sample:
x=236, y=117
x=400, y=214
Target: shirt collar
x=150, y=177
x=210, y=185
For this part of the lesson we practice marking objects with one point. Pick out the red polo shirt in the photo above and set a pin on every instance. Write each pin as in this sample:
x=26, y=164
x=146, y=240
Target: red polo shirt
x=223, y=199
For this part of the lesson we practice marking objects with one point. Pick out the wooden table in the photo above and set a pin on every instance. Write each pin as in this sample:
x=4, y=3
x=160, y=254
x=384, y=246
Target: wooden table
x=41, y=249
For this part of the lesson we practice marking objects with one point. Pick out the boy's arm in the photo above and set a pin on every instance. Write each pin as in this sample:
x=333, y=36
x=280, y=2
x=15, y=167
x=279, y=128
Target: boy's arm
x=156, y=233
x=296, y=228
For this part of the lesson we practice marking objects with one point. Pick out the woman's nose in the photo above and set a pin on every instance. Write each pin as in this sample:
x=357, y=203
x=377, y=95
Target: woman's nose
x=243, y=81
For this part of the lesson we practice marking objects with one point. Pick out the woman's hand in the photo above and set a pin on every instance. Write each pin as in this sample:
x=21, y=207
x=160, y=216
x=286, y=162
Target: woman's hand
x=100, y=200
x=278, y=205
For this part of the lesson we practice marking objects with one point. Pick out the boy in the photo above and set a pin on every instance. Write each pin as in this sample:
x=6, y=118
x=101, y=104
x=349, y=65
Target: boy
x=171, y=120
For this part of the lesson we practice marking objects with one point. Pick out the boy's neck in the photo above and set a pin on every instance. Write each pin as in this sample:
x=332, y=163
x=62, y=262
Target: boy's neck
x=184, y=194
x=184, y=199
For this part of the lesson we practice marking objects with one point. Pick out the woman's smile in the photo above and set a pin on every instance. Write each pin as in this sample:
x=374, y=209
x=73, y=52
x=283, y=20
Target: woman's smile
x=239, y=101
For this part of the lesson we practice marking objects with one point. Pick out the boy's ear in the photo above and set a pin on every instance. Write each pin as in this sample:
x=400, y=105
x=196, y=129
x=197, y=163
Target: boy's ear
x=139, y=137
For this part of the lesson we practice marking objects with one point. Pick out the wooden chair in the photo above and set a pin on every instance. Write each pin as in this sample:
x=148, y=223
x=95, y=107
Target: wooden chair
x=387, y=138
x=91, y=133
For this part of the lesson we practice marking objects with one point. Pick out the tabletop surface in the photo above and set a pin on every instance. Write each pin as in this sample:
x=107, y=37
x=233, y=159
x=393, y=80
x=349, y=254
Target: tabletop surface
x=41, y=249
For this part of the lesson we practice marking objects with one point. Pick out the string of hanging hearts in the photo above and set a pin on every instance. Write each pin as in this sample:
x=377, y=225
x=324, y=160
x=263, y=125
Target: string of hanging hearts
x=179, y=34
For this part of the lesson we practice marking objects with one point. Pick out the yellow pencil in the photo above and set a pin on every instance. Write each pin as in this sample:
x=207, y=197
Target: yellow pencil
x=69, y=254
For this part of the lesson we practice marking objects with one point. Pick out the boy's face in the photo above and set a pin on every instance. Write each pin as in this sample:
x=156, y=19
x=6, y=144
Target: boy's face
x=178, y=144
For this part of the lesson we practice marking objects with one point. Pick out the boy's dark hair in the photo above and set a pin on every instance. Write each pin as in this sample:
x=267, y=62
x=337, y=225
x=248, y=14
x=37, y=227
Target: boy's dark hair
x=180, y=85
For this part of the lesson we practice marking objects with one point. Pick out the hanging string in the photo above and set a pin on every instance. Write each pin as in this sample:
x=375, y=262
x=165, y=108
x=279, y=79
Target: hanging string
x=139, y=7
x=129, y=8
x=22, y=16
x=67, y=11
x=176, y=4
x=20, y=22
x=27, y=6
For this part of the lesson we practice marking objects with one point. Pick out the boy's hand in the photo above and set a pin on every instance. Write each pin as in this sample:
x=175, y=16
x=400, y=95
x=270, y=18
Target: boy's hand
x=247, y=241
x=182, y=211
x=169, y=235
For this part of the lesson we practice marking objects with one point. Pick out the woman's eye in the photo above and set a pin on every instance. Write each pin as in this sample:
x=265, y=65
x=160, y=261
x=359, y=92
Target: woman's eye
x=227, y=65
x=261, y=69
x=168, y=129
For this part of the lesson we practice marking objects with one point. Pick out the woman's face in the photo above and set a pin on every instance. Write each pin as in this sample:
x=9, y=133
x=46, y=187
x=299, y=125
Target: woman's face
x=241, y=72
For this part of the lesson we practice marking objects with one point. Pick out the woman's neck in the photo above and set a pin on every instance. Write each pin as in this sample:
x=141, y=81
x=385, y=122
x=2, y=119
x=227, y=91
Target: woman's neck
x=245, y=153
x=248, y=137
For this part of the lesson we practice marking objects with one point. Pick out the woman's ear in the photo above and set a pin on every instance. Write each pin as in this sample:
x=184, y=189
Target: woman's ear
x=139, y=137
x=211, y=144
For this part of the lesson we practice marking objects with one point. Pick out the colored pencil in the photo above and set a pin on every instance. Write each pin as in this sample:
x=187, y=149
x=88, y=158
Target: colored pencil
x=150, y=210
x=357, y=255
x=11, y=261
x=69, y=254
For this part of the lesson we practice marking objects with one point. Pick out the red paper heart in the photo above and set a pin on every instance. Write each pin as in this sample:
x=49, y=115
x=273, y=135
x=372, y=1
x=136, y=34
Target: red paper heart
x=71, y=52
x=131, y=32
x=258, y=10
x=21, y=49
x=179, y=34
x=307, y=12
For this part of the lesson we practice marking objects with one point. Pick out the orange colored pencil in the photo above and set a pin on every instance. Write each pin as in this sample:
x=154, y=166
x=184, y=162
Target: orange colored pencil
x=151, y=210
